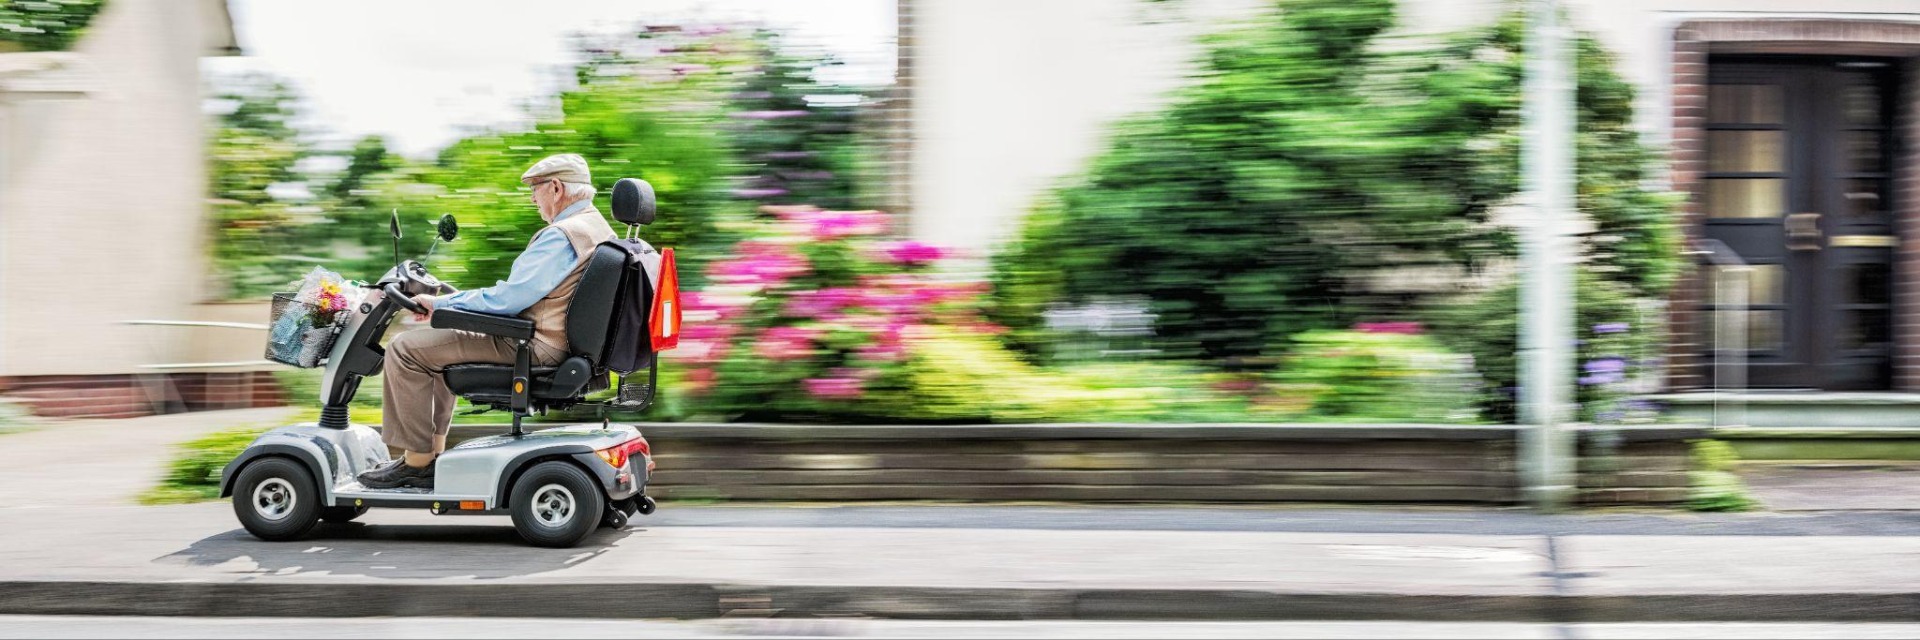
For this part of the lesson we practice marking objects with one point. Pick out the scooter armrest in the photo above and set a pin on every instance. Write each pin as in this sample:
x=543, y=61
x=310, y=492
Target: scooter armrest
x=503, y=326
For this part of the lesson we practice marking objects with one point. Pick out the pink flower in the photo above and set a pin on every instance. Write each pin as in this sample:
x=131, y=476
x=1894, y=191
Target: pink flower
x=786, y=343
x=842, y=387
x=814, y=304
x=756, y=194
x=761, y=266
x=769, y=115
x=707, y=331
x=1404, y=328
x=911, y=253
x=699, y=379
x=884, y=351
x=828, y=225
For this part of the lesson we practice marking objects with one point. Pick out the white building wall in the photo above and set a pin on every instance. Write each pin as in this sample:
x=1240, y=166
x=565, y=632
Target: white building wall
x=104, y=221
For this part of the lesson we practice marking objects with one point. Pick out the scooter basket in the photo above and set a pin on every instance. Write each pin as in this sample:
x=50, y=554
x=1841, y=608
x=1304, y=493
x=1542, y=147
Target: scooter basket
x=292, y=338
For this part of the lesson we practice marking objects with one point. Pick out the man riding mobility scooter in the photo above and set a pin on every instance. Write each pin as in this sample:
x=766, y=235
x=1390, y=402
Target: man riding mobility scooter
x=558, y=484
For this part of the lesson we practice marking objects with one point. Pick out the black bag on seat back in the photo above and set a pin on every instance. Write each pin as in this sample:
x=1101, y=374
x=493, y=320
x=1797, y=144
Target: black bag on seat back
x=629, y=347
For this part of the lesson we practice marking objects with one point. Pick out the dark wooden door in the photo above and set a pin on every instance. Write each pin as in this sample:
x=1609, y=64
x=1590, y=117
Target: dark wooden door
x=1799, y=183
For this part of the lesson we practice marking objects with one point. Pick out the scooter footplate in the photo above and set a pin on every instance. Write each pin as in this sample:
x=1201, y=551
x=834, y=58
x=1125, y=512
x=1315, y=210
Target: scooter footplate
x=354, y=488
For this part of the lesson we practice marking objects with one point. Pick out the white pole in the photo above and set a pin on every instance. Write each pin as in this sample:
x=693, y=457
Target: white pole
x=1548, y=255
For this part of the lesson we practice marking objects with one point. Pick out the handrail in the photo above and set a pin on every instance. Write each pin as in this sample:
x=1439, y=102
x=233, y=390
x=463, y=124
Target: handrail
x=1730, y=293
x=197, y=323
x=165, y=385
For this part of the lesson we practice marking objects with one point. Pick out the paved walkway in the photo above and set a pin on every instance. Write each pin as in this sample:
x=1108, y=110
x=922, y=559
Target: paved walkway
x=104, y=462
x=73, y=543
x=1839, y=485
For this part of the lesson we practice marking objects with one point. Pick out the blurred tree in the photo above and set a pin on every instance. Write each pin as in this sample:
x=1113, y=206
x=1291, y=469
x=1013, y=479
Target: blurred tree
x=44, y=25
x=795, y=133
x=1301, y=163
x=687, y=109
x=259, y=241
x=651, y=107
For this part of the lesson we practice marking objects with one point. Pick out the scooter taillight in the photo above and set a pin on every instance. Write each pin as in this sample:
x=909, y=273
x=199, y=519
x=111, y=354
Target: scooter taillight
x=617, y=455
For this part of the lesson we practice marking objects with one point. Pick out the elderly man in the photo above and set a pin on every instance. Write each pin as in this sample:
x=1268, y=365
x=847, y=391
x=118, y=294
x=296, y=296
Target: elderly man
x=417, y=404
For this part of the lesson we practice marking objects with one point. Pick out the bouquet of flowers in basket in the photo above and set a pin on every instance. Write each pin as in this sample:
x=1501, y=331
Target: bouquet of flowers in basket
x=306, y=322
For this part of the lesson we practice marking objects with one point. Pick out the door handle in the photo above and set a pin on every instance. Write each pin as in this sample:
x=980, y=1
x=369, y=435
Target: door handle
x=1803, y=232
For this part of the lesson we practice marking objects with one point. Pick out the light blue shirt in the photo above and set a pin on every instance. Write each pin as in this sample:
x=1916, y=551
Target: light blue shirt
x=547, y=261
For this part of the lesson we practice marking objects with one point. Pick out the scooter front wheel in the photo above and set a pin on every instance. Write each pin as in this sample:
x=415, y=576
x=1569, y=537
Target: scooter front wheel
x=275, y=499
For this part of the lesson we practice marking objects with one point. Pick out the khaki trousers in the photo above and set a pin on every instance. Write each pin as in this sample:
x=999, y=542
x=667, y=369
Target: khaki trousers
x=418, y=407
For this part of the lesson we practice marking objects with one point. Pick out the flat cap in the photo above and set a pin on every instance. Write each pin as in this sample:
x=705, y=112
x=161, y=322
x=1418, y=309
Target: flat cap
x=565, y=167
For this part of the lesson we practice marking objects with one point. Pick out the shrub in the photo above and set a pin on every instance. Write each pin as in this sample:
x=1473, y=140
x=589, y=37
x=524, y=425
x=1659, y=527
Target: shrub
x=1618, y=342
x=1385, y=376
x=194, y=473
x=1256, y=207
x=1714, y=487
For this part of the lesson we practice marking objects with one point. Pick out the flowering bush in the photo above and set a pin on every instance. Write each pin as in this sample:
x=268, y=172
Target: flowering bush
x=813, y=316
x=820, y=316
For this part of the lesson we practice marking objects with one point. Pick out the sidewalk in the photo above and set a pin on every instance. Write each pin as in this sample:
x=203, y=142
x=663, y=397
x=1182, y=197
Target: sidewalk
x=74, y=543
x=192, y=560
x=113, y=460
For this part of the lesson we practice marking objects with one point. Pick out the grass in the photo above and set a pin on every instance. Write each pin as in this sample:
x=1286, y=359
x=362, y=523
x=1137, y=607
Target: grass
x=1714, y=487
x=194, y=473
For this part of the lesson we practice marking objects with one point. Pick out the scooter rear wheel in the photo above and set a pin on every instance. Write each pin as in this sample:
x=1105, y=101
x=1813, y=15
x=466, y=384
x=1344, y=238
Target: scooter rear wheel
x=556, y=504
x=275, y=499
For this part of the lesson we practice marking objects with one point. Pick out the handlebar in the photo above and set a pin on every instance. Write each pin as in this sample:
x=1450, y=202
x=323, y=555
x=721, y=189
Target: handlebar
x=400, y=298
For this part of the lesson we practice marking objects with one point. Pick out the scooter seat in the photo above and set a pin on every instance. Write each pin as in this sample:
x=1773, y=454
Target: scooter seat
x=493, y=383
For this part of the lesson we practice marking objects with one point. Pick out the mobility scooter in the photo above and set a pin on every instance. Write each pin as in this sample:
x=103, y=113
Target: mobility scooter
x=557, y=484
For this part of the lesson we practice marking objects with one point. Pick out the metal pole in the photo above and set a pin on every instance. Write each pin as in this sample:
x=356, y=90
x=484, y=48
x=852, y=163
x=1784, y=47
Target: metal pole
x=1546, y=356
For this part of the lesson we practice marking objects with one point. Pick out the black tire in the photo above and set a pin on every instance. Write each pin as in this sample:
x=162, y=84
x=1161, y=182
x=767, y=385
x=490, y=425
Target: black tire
x=647, y=506
x=556, y=504
x=288, y=502
x=615, y=519
x=341, y=514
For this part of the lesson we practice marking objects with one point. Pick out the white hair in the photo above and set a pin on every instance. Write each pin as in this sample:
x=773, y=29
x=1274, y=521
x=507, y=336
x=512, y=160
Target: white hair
x=577, y=191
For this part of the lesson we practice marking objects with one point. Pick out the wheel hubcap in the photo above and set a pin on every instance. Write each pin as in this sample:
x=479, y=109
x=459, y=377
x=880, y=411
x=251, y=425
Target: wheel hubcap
x=274, y=499
x=553, y=505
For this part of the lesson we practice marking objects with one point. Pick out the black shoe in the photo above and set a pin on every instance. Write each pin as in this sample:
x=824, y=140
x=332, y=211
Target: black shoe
x=397, y=475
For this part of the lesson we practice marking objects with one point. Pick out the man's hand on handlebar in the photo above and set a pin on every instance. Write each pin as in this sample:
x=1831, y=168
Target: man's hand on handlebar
x=425, y=302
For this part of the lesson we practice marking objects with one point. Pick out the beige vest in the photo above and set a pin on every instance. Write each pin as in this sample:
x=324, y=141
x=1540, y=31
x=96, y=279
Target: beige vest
x=585, y=229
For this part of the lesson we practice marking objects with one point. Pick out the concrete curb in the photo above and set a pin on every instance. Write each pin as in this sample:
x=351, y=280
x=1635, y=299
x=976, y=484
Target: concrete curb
x=697, y=601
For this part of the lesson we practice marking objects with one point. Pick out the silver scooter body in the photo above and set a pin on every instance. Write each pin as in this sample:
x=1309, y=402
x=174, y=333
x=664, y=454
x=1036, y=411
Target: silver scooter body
x=473, y=471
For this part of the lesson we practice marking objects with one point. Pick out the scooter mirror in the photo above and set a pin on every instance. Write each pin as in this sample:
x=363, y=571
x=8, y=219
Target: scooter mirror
x=393, y=224
x=447, y=228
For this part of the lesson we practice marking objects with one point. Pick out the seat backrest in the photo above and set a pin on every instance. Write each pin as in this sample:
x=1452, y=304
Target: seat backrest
x=590, y=313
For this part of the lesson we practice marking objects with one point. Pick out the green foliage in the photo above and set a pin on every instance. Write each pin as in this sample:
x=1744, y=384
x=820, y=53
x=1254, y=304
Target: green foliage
x=259, y=243
x=675, y=107
x=1350, y=375
x=1714, y=487
x=1714, y=455
x=44, y=25
x=194, y=473
x=1718, y=491
x=1610, y=324
x=1258, y=207
x=794, y=134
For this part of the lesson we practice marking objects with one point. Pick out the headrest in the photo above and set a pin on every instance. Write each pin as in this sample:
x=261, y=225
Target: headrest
x=633, y=201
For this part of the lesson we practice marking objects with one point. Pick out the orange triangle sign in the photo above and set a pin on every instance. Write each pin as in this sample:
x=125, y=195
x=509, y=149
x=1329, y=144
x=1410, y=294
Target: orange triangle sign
x=664, y=318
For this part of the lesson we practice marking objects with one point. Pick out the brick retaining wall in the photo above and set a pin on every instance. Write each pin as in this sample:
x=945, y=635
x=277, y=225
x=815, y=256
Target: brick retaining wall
x=129, y=396
x=1146, y=463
